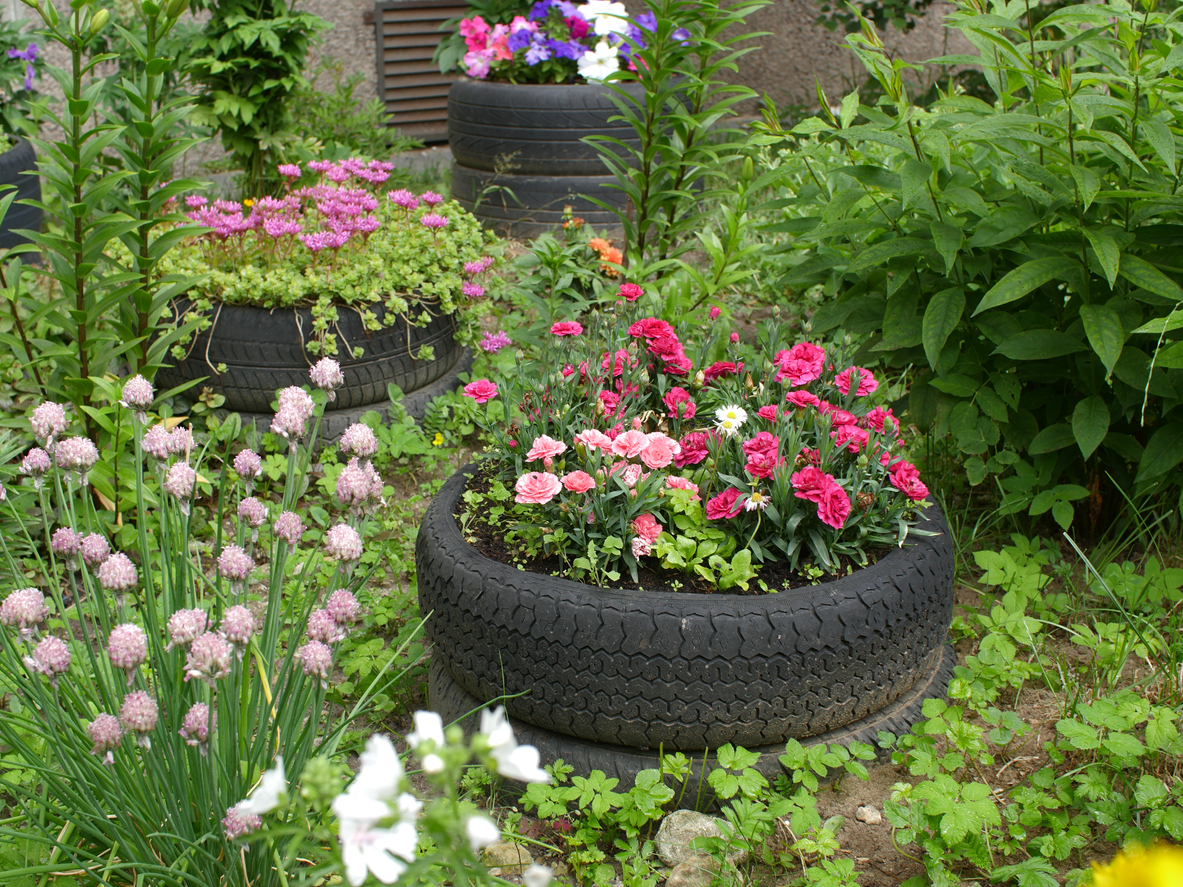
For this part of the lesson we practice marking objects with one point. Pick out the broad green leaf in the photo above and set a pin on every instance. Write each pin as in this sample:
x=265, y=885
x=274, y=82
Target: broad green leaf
x=1052, y=438
x=1087, y=182
x=922, y=405
x=940, y=319
x=1141, y=273
x=1170, y=358
x=992, y=404
x=1024, y=279
x=1102, y=325
x=1116, y=142
x=1163, y=452
x=1160, y=325
x=948, y=241
x=956, y=384
x=886, y=250
x=849, y=110
x=1161, y=140
x=1039, y=345
x=1081, y=736
x=1108, y=252
x=1090, y=424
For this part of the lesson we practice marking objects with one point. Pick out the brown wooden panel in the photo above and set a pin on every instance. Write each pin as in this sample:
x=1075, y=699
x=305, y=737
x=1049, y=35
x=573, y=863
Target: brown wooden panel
x=414, y=92
x=420, y=55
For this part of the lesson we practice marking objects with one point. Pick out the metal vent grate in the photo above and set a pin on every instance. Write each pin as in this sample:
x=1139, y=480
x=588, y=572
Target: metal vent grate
x=414, y=91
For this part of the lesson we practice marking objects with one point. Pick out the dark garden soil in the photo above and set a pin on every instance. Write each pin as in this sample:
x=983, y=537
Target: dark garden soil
x=488, y=537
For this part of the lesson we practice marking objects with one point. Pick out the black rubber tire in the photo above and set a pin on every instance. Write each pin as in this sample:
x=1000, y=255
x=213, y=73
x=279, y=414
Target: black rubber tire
x=688, y=671
x=534, y=129
x=453, y=703
x=263, y=351
x=526, y=206
x=18, y=167
x=334, y=422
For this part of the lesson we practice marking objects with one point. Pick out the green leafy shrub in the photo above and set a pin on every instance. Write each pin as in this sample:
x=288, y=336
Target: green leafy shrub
x=1021, y=256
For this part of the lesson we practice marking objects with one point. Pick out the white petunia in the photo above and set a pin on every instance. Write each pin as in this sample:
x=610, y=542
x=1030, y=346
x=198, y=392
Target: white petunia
x=606, y=17
x=481, y=831
x=270, y=793
x=600, y=62
x=514, y=761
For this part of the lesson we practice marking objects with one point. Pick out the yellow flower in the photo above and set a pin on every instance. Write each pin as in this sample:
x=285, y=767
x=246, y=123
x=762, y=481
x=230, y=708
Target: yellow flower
x=1160, y=866
x=438, y=441
x=248, y=202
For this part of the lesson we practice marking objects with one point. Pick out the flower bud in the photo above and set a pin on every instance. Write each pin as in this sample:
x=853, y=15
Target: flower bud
x=150, y=7
x=177, y=8
x=100, y=20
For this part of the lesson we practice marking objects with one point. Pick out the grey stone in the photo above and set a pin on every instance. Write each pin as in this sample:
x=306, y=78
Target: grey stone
x=869, y=815
x=510, y=857
x=681, y=827
x=697, y=871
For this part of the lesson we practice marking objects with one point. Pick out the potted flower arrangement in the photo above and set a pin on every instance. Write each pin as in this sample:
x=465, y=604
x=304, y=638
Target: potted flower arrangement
x=683, y=546
x=341, y=267
x=534, y=88
x=19, y=68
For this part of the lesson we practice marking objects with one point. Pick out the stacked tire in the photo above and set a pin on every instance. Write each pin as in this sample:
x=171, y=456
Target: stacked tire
x=520, y=158
x=249, y=353
x=609, y=679
x=18, y=168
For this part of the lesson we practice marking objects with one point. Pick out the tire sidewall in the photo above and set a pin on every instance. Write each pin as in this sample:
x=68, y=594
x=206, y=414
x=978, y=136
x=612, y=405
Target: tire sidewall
x=644, y=668
x=18, y=168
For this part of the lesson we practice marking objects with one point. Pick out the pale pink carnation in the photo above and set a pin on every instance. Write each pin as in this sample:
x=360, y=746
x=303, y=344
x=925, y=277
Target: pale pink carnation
x=630, y=444
x=545, y=448
x=594, y=439
x=661, y=450
x=676, y=482
x=536, y=488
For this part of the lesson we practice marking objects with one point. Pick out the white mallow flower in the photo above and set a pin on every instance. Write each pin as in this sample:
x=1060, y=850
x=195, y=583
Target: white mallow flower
x=373, y=796
x=429, y=728
x=377, y=851
x=481, y=831
x=600, y=62
x=606, y=17
x=537, y=875
x=514, y=761
x=271, y=791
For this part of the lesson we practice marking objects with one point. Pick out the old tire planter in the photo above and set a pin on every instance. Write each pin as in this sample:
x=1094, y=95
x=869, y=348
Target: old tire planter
x=18, y=167
x=454, y=704
x=683, y=671
x=536, y=127
x=533, y=133
x=263, y=350
x=527, y=205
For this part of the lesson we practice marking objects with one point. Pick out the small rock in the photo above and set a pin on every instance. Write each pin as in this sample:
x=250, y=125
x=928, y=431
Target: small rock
x=869, y=815
x=506, y=855
x=697, y=871
x=681, y=827
x=561, y=873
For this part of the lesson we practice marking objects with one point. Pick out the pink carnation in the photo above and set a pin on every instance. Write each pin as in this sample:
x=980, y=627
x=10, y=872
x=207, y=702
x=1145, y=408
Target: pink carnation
x=545, y=448
x=594, y=439
x=726, y=505
x=811, y=483
x=647, y=527
x=579, y=482
x=661, y=450
x=906, y=478
x=630, y=444
x=482, y=390
x=679, y=403
x=801, y=364
x=834, y=507
x=867, y=383
x=536, y=488
x=675, y=482
x=694, y=449
x=566, y=328
x=802, y=399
